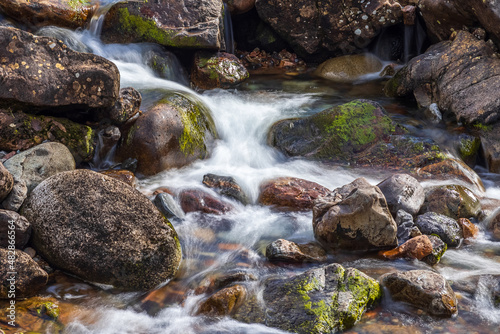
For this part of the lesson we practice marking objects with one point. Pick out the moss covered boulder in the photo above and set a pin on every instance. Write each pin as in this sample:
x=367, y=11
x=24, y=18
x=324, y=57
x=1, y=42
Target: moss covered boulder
x=219, y=70
x=359, y=133
x=173, y=133
x=322, y=300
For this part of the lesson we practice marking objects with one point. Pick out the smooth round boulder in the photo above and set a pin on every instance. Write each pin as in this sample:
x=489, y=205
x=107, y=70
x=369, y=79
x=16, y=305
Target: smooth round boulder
x=348, y=68
x=402, y=192
x=94, y=227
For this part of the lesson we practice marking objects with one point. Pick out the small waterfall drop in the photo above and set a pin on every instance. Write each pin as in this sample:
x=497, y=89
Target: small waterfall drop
x=97, y=20
x=228, y=31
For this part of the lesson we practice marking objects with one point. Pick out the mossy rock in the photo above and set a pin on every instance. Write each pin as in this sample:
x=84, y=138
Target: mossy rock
x=36, y=315
x=217, y=70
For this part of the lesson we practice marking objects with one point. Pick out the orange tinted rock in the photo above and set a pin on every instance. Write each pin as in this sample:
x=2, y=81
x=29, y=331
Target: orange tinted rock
x=415, y=248
x=123, y=175
x=468, y=229
x=223, y=302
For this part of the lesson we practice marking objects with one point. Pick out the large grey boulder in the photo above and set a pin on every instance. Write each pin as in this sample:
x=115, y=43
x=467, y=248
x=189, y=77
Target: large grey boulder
x=94, y=227
x=354, y=216
x=402, y=192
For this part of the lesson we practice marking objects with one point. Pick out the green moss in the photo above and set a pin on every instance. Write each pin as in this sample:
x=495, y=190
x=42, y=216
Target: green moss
x=469, y=147
x=48, y=309
x=78, y=4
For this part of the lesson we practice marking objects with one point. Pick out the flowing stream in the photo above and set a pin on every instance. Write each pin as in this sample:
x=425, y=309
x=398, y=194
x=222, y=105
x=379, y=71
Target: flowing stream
x=243, y=117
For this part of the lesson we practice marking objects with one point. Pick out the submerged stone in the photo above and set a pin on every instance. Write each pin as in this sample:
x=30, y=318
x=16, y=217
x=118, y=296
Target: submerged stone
x=349, y=68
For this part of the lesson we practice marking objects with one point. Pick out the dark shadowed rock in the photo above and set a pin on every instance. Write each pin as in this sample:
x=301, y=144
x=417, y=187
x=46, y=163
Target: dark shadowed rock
x=21, y=225
x=224, y=302
x=404, y=220
x=402, y=192
x=126, y=106
x=322, y=300
x=226, y=186
x=354, y=216
x=120, y=238
x=291, y=193
x=168, y=206
x=490, y=145
x=29, y=278
x=288, y=251
x=193, y=200
x=6, y=182
x=217, y=70
x=43, y=73
x=423, y=289
x=443, y=226
x=454, y=201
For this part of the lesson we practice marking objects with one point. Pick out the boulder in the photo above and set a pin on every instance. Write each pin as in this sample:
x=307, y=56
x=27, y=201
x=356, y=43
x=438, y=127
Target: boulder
x=126, y=106
x=421, y=248
x=217, y=70
x=29, y=277
x=12, y=221
x=43, y=73
x=468, y=148
x=338, y=27
x=70, y=14
x=226, y=186
x=187, y=24
x=404, y=220
x=358, y=133
x=454, y=201
x=6, y=182
x=469, y=230
x=175, y=132
x=444, y=227
x=119, y=238
x=20, y=131
x=224, y=302
x=168, y=206
x=348, y=68
x=291, y=193
x=354, y=216
x=194, y=200
x=459, y=75
x=288, y=251
x=322, y=300
x=424, y=289
x=403, y=192
x=239, y=6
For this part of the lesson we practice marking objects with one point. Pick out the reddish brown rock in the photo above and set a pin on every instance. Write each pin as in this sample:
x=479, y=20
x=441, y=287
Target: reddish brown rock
x=123, y=175
x=194, y=200
x=239, y=6
x=469, y=230
x=217, y=70
x=288, y=251
x=223, y=302
x=291, y=193
x=415, y=248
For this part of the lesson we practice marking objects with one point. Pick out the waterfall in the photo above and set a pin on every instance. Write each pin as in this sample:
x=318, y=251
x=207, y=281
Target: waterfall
x=228, y=30
x=97, y=20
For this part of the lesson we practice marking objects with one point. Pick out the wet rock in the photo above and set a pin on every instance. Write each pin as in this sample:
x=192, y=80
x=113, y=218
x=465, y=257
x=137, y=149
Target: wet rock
x=454, y=201
x=172, y=134
x=291, y=193
x=312, y=27
x=28, y=280
x=6, y=182
x=445, y=227
x=224, y=302
x=166, y=65
x=468, y=149
x=490, y=139
x=17, y=196
x=40, y=162
x=193, y=200
x=126, y=106
x=358, y=133
x=222, y=280
x=469, y=230
x=354, y=216
x=420, y=248
x=260, y=59
x=239, y=6
x=69, y=14
x=226, y=186
x=288, y=251
x=322, y=300
x=186, y=24
x=404, y=220
x=123, y=175
x=458, y=75
x=402, y=192
x=20, y=131
x=37, y=68
x=438, y=250
x=107, y=139
x=423, y=289
x=348, y=68
x=217, y=70
x=21, y=226
x=168, y=206
x=95, y=244
x=65, y=35
x=494, y=224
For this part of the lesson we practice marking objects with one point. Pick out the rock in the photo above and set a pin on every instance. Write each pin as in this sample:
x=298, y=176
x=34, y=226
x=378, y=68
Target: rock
x=220, y=280
x=359, y=133
x=66, y=35
x=405, y=226
x=288, y=251
x=438, y=250
x=348, y=68
x=172, y=134
x=490, y=139
x=122, y=175
x=95, y=244
x=469, y=230
x=224, y=302
x=458, y=75
x=444, y=227
x=40, y=162
x=90, y=81
x=168, y=206
x=12, y=221
x=187, y=24
x=107, y=139
x=354, y=216
x=28, y=279
x=321, y=300
x=420, y=248
x=226, y=186
x=423, y=289
x=193, y=200
x=468, y=149
x=126, y=106
x=239, y=6
x=17, y=196
x=454, y=201
x=291, y=193
x=217, y=70
x=6, y=182
x=312, y=27
x=402, y=192
x=493, y=224
x=69, y=14
x=20, y=131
